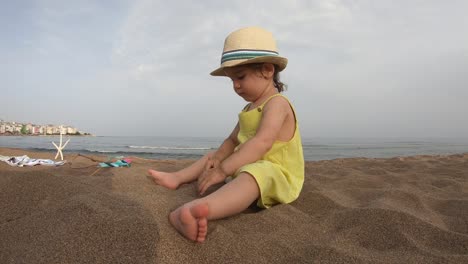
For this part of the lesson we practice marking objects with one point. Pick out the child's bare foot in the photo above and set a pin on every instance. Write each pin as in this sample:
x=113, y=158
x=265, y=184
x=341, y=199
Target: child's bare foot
x=191, y=221
x=166, y=179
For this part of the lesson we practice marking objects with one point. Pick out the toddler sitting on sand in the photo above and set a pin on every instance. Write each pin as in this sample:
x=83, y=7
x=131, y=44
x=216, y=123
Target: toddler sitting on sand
x=263, y=153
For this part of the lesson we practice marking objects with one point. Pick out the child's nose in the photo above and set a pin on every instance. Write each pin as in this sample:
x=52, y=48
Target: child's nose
x=236, y=85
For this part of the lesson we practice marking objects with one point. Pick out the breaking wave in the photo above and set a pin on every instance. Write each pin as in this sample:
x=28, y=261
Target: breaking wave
x=169, y=148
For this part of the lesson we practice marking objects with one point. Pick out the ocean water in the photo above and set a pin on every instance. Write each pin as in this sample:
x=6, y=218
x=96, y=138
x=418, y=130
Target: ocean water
x=195, y=147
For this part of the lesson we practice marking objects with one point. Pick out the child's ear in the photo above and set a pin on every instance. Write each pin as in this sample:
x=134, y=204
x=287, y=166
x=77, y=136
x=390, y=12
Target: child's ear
x=268, y=70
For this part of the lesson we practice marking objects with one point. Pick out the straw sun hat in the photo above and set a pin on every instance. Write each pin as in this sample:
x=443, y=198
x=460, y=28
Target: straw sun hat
x=249, y=45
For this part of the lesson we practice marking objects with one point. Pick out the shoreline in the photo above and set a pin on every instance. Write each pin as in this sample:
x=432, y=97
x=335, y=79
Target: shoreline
x=354, y=210
x=147, y=155
x=156, y=147
x=49, y=135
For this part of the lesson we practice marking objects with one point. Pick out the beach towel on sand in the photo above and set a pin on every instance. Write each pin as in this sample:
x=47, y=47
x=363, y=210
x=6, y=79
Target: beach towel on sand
x=118, y=163
x=20, y=161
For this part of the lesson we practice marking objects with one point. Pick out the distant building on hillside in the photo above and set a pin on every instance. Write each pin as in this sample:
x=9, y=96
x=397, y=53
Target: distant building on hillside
x=14, y=128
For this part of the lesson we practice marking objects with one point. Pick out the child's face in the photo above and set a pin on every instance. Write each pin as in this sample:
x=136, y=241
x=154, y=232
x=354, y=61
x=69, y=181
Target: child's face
x=250, y=83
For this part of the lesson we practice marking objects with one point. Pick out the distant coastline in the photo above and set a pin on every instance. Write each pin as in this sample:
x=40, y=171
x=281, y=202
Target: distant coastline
x=47, y=135
x=30, y=129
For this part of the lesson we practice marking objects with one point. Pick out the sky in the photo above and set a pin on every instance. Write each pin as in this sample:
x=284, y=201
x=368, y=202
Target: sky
x=141, y=68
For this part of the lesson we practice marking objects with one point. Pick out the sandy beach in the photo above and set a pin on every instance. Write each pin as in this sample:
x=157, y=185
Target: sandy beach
x=358, y=210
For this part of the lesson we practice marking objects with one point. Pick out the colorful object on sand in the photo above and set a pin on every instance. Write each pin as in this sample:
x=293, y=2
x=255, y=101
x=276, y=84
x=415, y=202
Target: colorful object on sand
x=117, y=163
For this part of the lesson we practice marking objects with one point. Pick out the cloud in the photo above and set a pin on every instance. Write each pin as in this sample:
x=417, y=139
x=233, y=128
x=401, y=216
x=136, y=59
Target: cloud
x=355, y=67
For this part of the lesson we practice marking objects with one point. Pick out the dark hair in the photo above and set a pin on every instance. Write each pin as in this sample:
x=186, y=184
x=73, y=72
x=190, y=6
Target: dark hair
x=279, y=85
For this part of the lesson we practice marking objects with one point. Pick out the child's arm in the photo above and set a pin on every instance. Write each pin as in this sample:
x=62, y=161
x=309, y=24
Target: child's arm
x=228, y=146
x=273, y=118
x=274, y=115
x=226, y=149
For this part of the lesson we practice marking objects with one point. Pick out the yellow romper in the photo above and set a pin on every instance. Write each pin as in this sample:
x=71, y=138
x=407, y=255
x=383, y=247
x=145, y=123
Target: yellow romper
x=280, y=172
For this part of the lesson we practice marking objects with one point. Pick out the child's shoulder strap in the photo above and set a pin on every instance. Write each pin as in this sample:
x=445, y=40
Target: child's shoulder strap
x=260, y=107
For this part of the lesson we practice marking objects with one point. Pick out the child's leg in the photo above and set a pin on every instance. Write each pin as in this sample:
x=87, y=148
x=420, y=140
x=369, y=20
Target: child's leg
x=232, y=198
x=173, y=180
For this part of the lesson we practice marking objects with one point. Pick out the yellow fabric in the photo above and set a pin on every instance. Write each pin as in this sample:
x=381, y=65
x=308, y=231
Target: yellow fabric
x=280, y=172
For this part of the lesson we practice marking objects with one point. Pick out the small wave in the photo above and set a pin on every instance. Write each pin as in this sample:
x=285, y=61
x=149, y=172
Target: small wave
x=169, y=148
x=41, y=149
x=101, y=151
x=315, y=146
x=151, y=155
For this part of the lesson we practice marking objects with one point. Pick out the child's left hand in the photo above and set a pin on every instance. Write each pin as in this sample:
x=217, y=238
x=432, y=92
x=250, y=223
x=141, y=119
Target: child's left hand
x=212, y=162
x=210, y=177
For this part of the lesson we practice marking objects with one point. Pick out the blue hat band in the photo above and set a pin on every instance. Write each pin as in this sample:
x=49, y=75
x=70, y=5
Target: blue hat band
x=246, y=54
